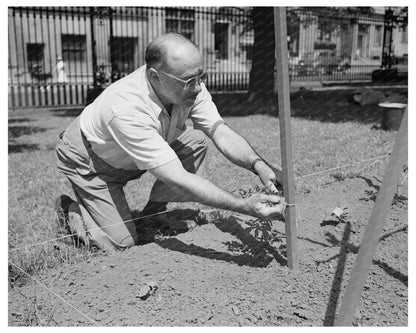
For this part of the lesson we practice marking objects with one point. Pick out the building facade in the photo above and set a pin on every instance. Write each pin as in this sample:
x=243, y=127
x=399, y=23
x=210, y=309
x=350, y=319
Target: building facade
x=57, y=53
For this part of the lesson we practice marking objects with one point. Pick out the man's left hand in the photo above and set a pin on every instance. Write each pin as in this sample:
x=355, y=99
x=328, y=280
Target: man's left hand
x=269, y=176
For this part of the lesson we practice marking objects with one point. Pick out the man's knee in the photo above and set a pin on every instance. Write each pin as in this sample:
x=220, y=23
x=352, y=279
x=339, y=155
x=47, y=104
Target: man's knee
x=119, y=237
x=105, y=237
x=198, y=144
x=106, y=241
x=128, y=238
x=191, y=140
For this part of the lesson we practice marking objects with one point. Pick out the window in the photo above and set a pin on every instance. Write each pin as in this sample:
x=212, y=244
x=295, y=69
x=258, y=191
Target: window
x=378, y=35
x=181, y=21
x=363, y=29
x=221, y=40
x=35, y=57
x=324, y=30
x=73, y=51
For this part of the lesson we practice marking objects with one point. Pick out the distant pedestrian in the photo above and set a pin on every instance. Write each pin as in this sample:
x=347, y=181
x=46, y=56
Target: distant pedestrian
x=60, y=69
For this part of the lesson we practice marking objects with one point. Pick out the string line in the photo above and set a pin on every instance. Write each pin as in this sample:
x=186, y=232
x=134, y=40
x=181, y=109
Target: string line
x=343, y=166
x=54, y=293
x=168, y=211
x=92, y=229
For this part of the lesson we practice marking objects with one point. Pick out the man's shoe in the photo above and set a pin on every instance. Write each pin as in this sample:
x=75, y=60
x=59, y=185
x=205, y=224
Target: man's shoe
x=77, y=226
x=62, y=204
x=170, y=223
x=71, y=227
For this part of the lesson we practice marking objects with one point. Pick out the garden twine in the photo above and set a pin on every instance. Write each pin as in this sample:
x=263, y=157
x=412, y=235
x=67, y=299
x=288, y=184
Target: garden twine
x=168, y=211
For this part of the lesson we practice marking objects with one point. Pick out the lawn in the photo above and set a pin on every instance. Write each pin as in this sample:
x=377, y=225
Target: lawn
x=318, y=145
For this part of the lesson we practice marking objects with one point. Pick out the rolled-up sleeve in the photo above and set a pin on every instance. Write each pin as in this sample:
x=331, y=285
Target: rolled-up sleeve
x=141, y=141
x=204, y=113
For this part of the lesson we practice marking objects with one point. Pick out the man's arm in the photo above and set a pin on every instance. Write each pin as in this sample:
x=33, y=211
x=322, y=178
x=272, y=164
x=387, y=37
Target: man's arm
x=196, y=188
x=238, y=150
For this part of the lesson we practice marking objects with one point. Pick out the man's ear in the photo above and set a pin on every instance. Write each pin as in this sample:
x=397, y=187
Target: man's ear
x=154, y=74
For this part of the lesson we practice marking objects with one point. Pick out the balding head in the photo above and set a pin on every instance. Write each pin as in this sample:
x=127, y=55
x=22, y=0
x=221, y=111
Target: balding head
x=171, y=61
x=168, y=51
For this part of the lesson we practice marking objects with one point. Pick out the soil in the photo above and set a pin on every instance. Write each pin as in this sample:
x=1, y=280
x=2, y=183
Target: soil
x=232, y=271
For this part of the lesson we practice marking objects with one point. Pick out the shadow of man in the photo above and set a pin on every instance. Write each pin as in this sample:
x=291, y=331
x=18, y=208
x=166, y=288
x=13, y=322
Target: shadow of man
x=255, y=254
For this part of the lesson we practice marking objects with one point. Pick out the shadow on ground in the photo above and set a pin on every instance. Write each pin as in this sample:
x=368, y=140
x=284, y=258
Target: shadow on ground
x=21, y=148
x=350, y=248
x=19, y=120
x=345, y=248
x=326, y=105
x=15, y=132
x=71, y=112
x=330, y=313
x=250, y=250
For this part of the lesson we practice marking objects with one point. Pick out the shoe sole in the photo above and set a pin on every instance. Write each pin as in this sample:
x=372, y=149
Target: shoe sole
x=61, y=208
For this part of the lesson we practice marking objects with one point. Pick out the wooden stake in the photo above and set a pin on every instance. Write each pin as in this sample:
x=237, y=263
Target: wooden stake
x=283, y=94
x=375, y=225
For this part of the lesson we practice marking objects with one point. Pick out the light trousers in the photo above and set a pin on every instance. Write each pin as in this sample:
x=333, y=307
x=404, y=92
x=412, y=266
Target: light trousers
x=98, y=187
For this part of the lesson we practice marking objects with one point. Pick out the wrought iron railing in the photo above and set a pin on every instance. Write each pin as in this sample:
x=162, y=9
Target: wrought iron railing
x=99, y=45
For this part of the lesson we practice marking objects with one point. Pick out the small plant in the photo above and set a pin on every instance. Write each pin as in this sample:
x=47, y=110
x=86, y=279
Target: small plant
x=341, y=176
x=33, y=314
x=257, y=189
x=39, y=259
x=263, y=229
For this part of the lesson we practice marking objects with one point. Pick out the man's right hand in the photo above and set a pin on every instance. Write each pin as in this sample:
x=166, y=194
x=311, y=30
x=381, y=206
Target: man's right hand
x=265, y=206
x=195, y=188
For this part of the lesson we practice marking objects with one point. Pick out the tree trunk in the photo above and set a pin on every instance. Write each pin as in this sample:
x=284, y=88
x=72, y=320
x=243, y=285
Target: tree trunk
x=261, y=85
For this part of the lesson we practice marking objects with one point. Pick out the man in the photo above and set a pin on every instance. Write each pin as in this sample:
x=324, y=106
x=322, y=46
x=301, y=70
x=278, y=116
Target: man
x=138, y=124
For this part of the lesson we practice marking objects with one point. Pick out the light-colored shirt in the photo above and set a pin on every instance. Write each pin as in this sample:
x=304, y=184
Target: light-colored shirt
x=129, y=128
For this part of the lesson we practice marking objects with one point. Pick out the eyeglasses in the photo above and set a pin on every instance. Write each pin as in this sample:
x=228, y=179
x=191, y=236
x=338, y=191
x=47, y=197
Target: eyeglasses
x=190, y=82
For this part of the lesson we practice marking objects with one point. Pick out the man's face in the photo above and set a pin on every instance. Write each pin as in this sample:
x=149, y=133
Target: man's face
x=183, y=63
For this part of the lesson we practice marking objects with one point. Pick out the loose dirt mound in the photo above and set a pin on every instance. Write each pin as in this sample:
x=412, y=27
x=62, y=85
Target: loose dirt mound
x=233, y=272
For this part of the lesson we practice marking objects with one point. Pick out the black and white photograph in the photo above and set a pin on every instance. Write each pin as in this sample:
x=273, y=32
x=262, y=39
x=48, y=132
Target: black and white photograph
x=213, y=166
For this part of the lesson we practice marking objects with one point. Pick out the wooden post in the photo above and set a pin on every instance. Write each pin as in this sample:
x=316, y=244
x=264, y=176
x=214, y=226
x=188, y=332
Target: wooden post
x=375, y=226
x=283, y=94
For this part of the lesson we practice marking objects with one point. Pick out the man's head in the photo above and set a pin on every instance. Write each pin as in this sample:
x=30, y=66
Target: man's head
x=172, y=60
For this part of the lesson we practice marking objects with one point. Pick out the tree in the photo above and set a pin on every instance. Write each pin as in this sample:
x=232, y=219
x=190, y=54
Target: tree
x=262, y=71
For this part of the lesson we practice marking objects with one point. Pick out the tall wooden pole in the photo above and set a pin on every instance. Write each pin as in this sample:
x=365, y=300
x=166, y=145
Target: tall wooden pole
x=352, y=294
x=283, y=94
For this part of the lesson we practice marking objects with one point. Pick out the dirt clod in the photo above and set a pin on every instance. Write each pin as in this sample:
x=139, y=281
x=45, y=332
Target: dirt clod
x=235, y=310
x=144, y=292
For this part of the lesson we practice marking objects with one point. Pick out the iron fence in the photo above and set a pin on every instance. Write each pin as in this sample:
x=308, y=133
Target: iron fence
x=58, y=55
